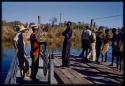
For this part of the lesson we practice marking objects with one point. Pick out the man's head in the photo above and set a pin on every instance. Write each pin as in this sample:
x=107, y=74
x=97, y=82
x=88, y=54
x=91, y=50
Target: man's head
x=34, y=28
x=114, y=30
x=87, y=28
x=22, y=28
x=69, y=24
x=106, y=31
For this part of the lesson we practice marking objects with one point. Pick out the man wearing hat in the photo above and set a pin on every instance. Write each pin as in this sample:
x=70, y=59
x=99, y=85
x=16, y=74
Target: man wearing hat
x=35, y=51
x=19, y=45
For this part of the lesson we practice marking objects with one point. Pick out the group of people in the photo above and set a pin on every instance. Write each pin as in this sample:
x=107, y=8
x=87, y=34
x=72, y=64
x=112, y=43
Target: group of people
x=94, y=43
x=19, y=45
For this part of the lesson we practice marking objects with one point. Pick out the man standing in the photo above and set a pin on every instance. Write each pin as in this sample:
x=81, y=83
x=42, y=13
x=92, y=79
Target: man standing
x=35, y=51
x=114, y=43
x=19, y=45
x=98, y=45
x=85, y=41
x=66, y=45
x=105, y=46
x=92, y=51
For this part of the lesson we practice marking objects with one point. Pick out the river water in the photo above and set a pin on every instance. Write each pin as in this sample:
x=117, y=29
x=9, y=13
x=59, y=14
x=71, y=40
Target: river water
x=8, y=54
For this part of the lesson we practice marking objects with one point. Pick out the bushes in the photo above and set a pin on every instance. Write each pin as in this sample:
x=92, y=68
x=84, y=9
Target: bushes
x=54, y=37
x=8, y=34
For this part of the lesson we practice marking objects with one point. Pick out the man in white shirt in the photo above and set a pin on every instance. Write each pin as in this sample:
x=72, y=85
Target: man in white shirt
x=92, y=53
x=19, y=45
x=85, y=41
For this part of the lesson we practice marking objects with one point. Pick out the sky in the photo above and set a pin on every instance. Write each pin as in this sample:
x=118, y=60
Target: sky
x=71, y=11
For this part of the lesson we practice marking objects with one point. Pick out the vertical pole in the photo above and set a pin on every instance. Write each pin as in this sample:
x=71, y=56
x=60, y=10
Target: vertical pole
x=91, y=24
x=94, y=25
x=49, y=70
x=60, y=19
x=38, y=19
x=39, y=25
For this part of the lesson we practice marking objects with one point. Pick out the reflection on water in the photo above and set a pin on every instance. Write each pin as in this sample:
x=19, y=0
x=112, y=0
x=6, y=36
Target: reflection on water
x=8, y=54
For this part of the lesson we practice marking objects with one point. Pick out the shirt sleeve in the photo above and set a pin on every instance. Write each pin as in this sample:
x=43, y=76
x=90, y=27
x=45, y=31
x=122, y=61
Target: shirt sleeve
x=90, y=33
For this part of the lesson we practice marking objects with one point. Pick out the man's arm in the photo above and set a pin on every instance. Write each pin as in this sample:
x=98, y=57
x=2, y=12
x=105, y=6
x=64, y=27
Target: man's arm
x=15, y=45
x=15, y=42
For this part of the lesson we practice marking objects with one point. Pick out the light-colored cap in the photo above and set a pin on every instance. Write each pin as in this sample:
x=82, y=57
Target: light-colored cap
x=22, y=28
x=34, y=26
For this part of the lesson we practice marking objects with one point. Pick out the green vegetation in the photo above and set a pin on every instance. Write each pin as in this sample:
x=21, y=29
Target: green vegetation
x=8, y=34
x=55, y=38
x=54, y=34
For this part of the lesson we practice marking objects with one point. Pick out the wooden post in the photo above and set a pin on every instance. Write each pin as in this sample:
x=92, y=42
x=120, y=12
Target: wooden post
x=51, y=68
x=91, y=24
x=60, y=20
x=38, y=19
x=39, y=25
x=94, y=25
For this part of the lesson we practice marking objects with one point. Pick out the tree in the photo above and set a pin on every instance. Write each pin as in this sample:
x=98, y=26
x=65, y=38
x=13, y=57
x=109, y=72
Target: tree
x=14, y=23
x=53, y=21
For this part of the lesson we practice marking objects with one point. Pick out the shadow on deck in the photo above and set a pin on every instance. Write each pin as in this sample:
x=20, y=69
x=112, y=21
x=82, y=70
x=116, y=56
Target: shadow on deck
x=19, y=80
x=90, y=71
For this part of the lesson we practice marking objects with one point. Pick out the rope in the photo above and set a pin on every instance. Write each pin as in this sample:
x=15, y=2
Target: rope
x=108, y=17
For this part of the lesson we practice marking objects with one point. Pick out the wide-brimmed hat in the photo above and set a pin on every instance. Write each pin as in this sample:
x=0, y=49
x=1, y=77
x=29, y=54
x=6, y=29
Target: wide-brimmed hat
x=34, y=26
x=22, y=28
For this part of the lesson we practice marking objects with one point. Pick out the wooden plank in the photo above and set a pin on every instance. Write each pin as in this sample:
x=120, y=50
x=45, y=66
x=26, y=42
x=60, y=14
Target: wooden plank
x=61, y=76
x=79, y=78
x=100, y=67
x=57, y=62
x=70, y=76
x=111, y=74
x=66, y=73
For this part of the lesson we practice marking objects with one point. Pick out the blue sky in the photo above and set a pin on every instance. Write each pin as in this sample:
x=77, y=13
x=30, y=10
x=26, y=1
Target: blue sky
x=73, y=11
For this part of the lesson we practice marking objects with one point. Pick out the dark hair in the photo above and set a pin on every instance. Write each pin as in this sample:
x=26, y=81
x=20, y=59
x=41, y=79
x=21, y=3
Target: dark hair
x=113, y=30
x=69, y=22
x=33, y=29
x=87, y=27
x=106, y=30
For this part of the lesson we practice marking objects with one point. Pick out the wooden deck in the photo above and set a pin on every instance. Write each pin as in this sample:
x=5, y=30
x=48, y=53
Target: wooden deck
x=79, y=72
x=85, y=72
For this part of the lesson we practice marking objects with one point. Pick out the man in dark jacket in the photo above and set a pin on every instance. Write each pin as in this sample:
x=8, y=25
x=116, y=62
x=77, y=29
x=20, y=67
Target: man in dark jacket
x=114, y=43
x=98, y=44
x=66, y=45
